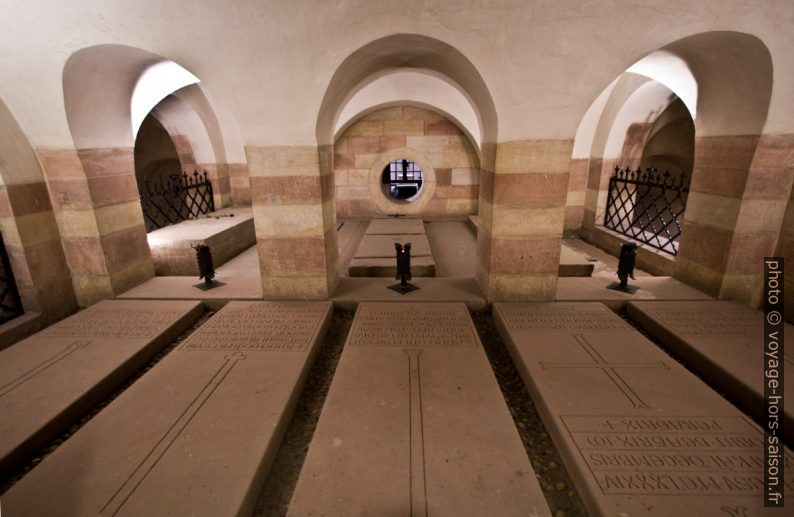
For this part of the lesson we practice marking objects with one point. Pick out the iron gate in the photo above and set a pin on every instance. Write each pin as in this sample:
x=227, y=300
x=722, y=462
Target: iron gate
x=176, y=199
x=10, y=303
x=647, y=206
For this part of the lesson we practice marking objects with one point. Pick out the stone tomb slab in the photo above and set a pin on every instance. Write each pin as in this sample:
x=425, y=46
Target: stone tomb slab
x=415, y=424
x=197, y=433
x=574, y=263
x=227, y=232
x=375, y=256
x=723, y=342
x=395, y=227
x=382, y=246
x=50, y=379
x=639, y=433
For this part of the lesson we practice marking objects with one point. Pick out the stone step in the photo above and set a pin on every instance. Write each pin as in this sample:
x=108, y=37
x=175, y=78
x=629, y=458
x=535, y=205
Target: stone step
x=639, y=434
x=573, y=263
x=415, y=424
x=50, y=379
x=723, y=342
x=197, y=433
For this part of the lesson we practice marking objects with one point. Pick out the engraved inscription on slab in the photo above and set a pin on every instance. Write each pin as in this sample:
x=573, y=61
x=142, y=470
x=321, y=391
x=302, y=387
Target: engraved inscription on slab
x=548, y=318
x=115, y=322
x=411, y=326
x=718, y=321
x=270, y=327
x=670, y=455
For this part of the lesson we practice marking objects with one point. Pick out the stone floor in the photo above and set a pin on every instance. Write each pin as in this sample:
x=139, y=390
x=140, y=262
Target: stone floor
x=530, y=427
x=453, y=244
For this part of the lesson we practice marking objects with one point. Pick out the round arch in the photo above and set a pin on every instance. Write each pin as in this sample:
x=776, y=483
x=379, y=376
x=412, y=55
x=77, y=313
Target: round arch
x=412, y=51
x=413, y=87
x=724, y=77
x=725, y=80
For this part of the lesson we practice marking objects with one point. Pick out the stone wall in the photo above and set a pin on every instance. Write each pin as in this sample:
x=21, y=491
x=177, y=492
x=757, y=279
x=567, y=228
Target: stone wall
x=522, y=214
x=735, y=212
x=368, y=145
x=33, y=244
x=97, y=206
x=294, y=219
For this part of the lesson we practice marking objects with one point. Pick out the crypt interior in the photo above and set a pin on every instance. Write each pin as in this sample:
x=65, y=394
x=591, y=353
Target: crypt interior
x=203, y=309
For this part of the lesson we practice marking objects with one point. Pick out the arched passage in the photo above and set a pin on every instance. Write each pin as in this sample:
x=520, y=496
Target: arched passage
x=29, y=232
x=375, y=72
x=108, y=92
x=725, y=81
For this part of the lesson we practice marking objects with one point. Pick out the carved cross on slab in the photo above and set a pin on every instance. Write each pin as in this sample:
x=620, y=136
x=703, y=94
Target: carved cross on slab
x=610, y=369
x=417, y=437
x=25, y=377
x=131, y=484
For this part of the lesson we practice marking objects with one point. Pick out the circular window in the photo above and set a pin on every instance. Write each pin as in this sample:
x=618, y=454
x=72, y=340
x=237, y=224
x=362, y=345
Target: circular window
x=402, y=180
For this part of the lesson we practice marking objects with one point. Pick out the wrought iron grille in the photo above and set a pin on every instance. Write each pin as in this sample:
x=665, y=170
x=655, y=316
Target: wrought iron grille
x=647, y=206
x=176, y=199
x=10, y=303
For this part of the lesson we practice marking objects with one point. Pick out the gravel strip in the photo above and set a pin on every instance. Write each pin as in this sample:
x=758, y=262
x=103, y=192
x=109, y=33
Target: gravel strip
x=283, y=476
x=561, y=495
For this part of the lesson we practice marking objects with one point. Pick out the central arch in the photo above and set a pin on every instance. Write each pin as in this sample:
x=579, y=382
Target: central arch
x=405, y=51
x=378, y=65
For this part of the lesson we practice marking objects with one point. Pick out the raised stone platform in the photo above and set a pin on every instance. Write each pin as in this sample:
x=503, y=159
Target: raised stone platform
x=227, y=232
x=573, y=263
x=376, y=246
x=723, y=342
x=415, y=424
x=50, y=379
x=639, y=434
x=380, y=267
x=375, y=255
x=240, y=276
x=594, y=289
x=238, y=288
x=196, y=434
x=351, y=291
x=395, y=227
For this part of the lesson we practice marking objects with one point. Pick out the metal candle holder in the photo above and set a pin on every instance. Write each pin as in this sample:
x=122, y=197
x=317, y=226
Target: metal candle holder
x=626, y=263
x=403, y=269
x=206, y=268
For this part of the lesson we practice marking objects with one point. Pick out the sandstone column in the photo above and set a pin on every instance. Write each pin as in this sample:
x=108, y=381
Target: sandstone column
x=292, y=198
x=740, y=188
x=522, y=213
x=33, y=244
x=97, y=206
